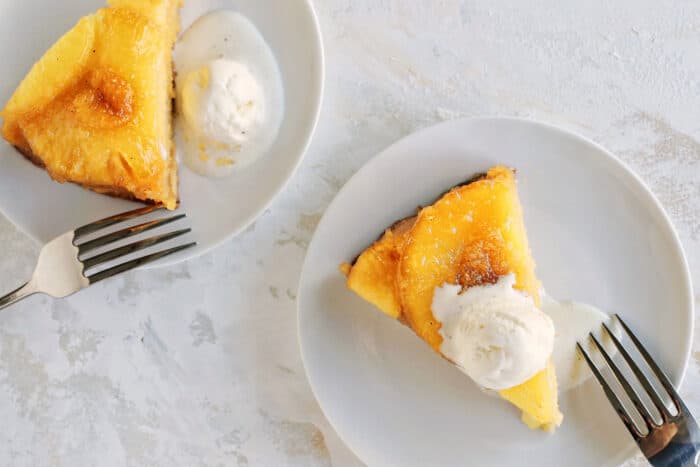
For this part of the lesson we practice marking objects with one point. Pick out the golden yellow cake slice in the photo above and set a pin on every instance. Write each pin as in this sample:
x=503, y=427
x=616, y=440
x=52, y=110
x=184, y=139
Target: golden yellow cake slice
x=96, y=108
x=165, y=13
x=373, y=274
x=471, y=236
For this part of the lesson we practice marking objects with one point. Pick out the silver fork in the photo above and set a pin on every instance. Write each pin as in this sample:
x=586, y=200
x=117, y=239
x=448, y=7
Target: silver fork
x=64, y=262
x=673, y=442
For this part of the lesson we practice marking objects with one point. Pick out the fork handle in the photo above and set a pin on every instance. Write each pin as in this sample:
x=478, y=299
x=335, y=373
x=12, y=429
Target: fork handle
x=18, y=294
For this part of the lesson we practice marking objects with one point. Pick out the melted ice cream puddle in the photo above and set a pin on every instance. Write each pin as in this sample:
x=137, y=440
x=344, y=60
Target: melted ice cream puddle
x=572, y=323
x=230, y=97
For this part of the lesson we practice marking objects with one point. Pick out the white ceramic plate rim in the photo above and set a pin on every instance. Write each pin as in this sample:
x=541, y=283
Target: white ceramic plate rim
x=615, y=163
x=316, y=104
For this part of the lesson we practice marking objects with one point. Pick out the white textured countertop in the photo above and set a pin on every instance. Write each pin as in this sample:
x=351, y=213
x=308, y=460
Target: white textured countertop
x=199, y=365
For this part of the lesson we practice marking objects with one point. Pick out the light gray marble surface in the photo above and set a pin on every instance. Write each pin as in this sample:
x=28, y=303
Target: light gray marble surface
x=198, y=364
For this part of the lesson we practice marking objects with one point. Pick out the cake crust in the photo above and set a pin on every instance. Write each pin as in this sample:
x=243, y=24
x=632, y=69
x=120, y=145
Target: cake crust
x=104, y=190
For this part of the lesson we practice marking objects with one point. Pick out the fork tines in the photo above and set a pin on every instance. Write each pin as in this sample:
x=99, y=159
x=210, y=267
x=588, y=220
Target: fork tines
x=85, y=247
x=629, y=389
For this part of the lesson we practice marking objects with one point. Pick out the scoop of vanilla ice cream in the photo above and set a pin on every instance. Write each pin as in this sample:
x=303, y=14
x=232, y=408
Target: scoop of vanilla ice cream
x=494, y=333
x=223, y=102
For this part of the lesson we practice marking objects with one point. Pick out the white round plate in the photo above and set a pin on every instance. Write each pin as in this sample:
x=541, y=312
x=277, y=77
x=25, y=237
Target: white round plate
x=216, y=209
x=598, y=236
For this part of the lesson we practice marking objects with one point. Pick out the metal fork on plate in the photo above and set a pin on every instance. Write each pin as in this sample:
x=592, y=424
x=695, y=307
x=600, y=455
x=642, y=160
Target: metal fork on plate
x=64, y=263
x=675, y=441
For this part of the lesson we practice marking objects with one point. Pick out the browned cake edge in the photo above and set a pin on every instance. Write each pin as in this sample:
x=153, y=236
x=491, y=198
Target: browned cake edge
x=406, y=223
x=101, y=189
